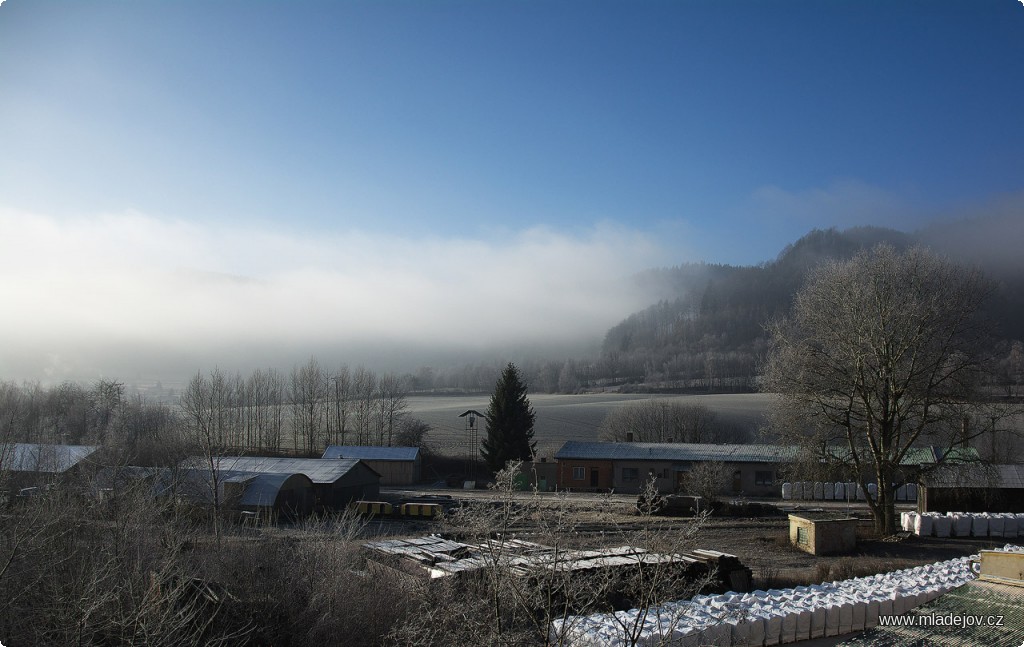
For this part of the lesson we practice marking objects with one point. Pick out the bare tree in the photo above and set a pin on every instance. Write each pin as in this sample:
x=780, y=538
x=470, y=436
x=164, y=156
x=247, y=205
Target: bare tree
x=707, y=479
x=659, y=421
x=881, y=353
x=341, y=388
x=309, y=403
x=393, y=403
x=202, y=403
x=364, y=388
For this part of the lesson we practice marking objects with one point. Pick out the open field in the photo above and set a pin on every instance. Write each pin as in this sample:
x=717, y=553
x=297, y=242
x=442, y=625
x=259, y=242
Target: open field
x=567, y=417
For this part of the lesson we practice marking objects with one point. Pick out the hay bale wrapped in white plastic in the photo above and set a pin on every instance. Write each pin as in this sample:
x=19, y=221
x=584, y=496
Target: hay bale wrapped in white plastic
x=809, y=490
x=829, y=491
x=798, y=490
x=860, y=493
x=840, y=493
x=911, y=524
x=942, y=525
x=787, y=491
x=819, y=491
x=1020, y=524
x=873, y=490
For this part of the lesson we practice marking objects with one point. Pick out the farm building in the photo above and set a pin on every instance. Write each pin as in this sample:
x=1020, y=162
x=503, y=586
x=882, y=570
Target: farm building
x=916, y=462
x=33, y=465
x=625, y=467
x=973, y=488
x=270, y=495
x=396, y=465
x=336, y=483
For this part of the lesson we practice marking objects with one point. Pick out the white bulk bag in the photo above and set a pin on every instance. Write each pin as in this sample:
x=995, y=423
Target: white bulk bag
x=979, y=526
x=1011, y=526
x=923, y=525
x=995, y=526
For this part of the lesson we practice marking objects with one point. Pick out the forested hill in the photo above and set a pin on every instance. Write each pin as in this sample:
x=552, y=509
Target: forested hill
x=707, y=332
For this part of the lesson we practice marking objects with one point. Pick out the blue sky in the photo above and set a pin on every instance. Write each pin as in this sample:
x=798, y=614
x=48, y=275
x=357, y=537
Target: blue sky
x=409, y=157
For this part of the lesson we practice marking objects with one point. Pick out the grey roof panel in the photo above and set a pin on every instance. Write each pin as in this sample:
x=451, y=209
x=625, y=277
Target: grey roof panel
x=53, y=459
x=368, y=453
x=318, y=470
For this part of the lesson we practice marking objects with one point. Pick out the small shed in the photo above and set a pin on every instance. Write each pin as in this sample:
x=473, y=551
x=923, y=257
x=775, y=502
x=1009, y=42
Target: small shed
x=396, y=465
x=823, y=534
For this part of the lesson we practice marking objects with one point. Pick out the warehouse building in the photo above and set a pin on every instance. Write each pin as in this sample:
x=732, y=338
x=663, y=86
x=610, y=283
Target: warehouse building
x=752, y=470
x=396, y=465
x=336, y=483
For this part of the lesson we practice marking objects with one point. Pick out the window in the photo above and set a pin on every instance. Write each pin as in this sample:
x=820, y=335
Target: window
x=579, y=473
x=801, y=536
x=630, y=474
x=764, y=478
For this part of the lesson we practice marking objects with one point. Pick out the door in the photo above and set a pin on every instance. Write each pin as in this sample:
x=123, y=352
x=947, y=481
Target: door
x=593, y=477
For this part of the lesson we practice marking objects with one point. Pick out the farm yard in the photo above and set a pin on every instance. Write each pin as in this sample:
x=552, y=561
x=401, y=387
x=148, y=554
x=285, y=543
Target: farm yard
x=761, y=543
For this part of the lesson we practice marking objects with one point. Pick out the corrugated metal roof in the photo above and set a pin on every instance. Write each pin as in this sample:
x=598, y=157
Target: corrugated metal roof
x=368, y=453
x=260, y=489
x=318, y=470
x=676, y=452
x=926, y=455
x=51, y=459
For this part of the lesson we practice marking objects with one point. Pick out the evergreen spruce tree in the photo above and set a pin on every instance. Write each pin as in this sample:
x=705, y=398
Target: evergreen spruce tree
x=510, y=421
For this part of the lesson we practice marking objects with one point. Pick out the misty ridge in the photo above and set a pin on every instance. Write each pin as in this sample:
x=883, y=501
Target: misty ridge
x=707, y=329
x=695, y=328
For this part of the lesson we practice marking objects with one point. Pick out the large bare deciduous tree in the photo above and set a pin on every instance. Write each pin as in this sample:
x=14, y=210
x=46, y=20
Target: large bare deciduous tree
x=881, y=354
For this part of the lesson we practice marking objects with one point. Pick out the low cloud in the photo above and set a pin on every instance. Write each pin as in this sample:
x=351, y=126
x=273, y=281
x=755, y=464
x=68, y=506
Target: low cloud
x=101, y=295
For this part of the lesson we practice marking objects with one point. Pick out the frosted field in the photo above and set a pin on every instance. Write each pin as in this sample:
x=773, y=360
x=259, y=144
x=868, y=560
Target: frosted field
x=567, y=417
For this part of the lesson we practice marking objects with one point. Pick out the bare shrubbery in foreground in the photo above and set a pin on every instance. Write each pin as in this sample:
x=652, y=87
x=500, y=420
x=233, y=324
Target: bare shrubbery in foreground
x=134, y=570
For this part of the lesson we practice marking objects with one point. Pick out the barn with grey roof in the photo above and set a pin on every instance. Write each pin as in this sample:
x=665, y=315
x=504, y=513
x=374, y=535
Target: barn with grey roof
x=336, y=483
x=625, y=467
x=396, y=465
